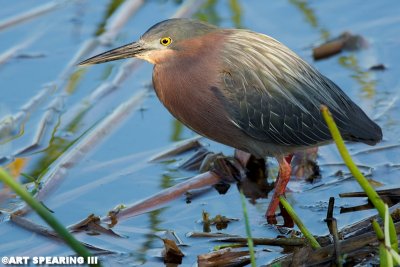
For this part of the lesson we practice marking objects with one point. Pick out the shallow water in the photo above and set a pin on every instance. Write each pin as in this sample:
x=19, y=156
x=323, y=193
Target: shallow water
x=113, y=167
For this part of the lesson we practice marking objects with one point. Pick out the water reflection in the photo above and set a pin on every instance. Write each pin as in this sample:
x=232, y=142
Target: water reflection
x=112, y=6
x=209, y=12
x=310, y=16
x=236, y=13
x=153, y=224
x=367, y=85
x=177, y=130
x=363, y=78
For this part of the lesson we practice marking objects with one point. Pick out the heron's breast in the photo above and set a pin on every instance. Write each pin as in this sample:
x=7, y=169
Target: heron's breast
x=188, y=92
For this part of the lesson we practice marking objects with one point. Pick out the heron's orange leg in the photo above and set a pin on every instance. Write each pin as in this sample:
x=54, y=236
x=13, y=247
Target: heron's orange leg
x=285, y=171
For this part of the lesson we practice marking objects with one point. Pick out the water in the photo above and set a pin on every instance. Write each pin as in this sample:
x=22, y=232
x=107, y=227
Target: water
x=115, y=168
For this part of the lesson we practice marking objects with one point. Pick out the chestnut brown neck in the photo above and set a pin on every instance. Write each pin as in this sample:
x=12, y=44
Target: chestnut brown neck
x=194, y=65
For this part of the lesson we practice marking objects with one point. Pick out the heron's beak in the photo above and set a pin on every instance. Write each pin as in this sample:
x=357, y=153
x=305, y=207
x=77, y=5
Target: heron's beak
x=126, y=51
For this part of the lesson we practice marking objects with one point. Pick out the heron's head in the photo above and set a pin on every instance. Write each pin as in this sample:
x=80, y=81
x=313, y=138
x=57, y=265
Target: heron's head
x=159, y=43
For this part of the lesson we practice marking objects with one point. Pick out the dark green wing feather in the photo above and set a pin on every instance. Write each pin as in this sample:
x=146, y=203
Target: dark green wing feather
x=274, y=96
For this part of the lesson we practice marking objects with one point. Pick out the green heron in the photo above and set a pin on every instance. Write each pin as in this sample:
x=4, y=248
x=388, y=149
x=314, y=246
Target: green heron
x=245, y=90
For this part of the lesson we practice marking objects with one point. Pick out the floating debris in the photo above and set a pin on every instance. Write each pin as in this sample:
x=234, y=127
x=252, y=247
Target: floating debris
x=333, y=230
x=292, y=241
x=345, y=41
x=220, y=221
x=165, y=196
x=179, y=148
x=224, y=257
x=92, y=225
x=30, y=14
x=30, y=55
x=194, y=162
x=171, y=252
x=378, y=67
x=112, y=215
x=209, y=235
x=389, y=196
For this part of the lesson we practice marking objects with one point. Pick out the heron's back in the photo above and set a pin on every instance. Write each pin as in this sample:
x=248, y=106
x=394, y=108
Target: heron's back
x=274, y=96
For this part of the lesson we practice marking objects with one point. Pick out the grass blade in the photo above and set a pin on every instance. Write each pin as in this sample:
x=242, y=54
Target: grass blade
x=365, y=185
x=313, y=242
x=393, y=255
x=383, y=252
x=45, y=214
x=250, y=243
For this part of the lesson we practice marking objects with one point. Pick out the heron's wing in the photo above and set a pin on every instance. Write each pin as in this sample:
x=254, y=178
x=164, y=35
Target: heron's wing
x=271, y=117
x=274, y=96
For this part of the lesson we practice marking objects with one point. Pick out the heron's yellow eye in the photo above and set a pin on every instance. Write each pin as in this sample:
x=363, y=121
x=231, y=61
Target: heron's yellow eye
x=166, y=41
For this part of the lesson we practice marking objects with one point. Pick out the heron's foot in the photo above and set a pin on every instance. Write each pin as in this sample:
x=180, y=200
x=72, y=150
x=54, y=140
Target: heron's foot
x=280, y=187
x=242, y=166
x=229, y=169
x=255, y=184
x=273, y=206
x=271, y=218
x=256, y=168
